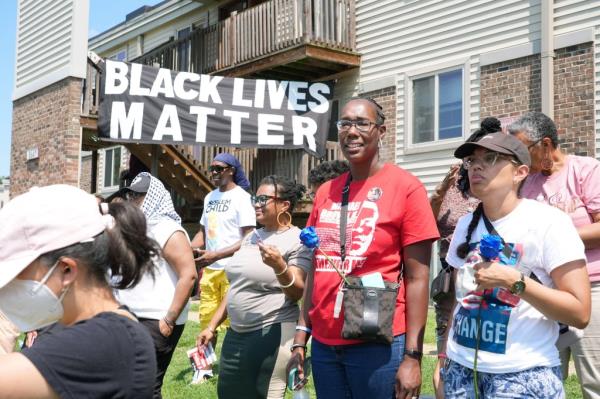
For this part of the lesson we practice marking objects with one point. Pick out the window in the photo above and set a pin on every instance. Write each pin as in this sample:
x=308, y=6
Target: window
x=112, y=167
x=120, y=56
x=437, y=106
x=183, y=49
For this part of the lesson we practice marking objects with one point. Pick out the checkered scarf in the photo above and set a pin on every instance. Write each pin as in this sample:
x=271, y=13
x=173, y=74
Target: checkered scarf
x=158, y=204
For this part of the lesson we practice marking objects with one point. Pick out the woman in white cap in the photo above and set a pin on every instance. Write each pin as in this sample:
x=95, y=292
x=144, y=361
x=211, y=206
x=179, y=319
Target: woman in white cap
x=520, y=268
x=57, y=250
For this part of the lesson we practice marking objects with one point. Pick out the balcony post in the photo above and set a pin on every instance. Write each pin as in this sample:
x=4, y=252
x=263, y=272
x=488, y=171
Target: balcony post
x=352, y=25
x=232, y=38
x=308, y=32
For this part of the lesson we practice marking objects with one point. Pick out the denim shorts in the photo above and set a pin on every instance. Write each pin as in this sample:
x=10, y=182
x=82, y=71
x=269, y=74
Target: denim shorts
x=533, y=383
x=360, y=371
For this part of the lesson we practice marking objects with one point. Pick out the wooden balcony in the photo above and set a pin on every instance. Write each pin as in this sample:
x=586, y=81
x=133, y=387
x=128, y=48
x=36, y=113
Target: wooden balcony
x=277, y=39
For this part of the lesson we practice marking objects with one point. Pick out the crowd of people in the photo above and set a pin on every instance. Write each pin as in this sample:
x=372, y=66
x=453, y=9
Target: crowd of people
x=102, y=289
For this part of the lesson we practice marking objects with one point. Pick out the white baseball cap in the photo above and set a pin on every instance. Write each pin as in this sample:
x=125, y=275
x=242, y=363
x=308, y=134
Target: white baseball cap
x=42, y=220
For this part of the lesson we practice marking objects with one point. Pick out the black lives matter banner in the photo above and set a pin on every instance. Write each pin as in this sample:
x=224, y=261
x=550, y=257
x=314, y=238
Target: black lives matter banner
x=142, y=104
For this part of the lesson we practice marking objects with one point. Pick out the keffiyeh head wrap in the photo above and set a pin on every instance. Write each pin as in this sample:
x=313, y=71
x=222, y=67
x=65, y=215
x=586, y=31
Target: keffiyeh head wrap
x=240, y=177
x=157, y=203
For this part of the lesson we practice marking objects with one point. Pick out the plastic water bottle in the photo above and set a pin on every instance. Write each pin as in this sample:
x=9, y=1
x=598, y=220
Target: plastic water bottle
x=301, y=393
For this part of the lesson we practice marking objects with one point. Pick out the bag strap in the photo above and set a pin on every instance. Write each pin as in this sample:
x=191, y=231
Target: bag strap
x=344, y=218
x=344, y=223
x=492, y=230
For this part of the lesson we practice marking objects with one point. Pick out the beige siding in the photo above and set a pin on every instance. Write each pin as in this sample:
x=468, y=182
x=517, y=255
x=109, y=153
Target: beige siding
x=573, y=15
x=407, y=38
x=48, y=43
x=393, y=37
x=159, y=36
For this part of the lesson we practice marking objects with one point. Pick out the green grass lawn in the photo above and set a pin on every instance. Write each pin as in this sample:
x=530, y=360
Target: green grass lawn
x=179, y=375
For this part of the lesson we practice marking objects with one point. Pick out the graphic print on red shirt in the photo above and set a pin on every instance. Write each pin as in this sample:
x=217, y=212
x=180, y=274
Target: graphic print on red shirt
x=386, y=212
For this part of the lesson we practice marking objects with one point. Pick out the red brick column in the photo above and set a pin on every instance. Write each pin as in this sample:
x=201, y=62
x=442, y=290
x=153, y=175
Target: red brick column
x=574, y=98
x=49, y=120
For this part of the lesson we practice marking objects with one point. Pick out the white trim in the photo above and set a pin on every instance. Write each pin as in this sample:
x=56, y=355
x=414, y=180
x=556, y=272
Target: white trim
x=415, y=148
x=159, y=17
x=377, y=84
x=40, y=83
x=534, y=47
x=79, y=43
x=109, y=189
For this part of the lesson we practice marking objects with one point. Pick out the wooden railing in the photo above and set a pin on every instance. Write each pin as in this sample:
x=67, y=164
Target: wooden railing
x=90, y=100
x=262, y=30
x=258, y=163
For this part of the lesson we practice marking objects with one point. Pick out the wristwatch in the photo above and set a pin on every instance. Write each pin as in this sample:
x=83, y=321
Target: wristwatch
x=415, y=354
x=518, y=286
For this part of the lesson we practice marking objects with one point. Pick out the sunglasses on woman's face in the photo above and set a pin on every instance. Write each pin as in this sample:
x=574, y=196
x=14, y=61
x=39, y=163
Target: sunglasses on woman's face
x=261, y=200
x=217, y=168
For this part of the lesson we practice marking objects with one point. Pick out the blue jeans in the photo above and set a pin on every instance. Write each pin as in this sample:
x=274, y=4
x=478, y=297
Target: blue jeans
x=358, y=371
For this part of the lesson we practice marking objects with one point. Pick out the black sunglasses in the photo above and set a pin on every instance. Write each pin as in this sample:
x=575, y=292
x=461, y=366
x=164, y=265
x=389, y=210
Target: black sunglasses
x=261, y=200
x=217, y=168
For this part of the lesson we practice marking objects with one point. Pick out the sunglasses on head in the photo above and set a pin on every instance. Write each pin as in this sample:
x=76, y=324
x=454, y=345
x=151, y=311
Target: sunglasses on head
x=217, y=168
x=261, y=200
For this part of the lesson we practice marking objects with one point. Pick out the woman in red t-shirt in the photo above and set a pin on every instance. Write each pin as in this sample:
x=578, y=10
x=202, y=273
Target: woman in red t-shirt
x=389, y=224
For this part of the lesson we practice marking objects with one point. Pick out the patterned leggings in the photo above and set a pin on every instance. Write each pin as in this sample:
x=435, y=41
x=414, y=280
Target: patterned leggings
x=534, y=383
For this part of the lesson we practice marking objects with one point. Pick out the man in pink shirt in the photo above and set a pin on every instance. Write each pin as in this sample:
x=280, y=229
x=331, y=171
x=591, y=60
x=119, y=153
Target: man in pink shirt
x=572, y=184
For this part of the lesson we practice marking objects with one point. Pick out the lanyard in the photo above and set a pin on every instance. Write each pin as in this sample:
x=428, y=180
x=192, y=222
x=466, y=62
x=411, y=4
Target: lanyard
x=344, y=219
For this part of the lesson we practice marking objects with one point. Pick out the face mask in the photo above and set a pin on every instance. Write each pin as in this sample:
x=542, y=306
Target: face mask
x=30, y=304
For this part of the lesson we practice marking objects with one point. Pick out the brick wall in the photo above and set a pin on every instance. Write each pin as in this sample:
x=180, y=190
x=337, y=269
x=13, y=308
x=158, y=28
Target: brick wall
x=511, y=88
x=386, y=97
x=47, y=119
x=85, y=181
x=574, y=98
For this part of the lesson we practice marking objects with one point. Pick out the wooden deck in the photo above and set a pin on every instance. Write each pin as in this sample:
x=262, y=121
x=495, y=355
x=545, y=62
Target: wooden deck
x=277, y=39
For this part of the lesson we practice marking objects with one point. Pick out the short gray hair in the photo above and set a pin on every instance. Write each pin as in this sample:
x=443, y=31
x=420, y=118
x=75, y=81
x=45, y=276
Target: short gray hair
x=536, y=126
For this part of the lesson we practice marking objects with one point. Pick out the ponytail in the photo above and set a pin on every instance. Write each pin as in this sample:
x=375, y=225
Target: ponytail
x=130, y=250
x=125, y=250
x=463, y=249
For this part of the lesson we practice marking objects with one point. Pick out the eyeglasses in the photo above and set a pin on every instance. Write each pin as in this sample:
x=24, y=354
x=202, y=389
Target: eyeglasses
x=488, y=160
x=362, y=125
x=534, y=143
x=217, y=168
x=261, y=200
x=311, y=196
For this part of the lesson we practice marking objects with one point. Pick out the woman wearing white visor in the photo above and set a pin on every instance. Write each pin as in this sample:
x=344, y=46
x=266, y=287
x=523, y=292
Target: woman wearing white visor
x=57, y=248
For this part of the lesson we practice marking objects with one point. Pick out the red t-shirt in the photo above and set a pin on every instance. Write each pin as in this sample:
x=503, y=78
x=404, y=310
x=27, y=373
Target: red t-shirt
x=386, y=212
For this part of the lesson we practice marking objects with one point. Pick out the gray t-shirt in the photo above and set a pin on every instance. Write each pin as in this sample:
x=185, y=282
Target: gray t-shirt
x=255, y=299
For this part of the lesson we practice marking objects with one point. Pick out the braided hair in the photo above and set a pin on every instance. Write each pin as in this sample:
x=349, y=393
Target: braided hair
x=463, y=249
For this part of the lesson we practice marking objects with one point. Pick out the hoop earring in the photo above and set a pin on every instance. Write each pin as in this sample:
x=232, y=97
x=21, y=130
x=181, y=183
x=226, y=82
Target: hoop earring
x=380, y=143
x=547, y=164
x=289, y=216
